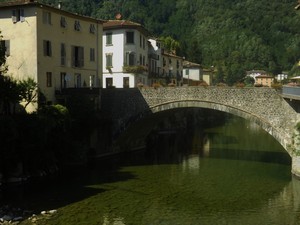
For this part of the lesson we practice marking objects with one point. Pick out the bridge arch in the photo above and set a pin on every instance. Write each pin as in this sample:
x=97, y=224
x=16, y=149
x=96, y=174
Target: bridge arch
x=264, y=106
x=279, y=136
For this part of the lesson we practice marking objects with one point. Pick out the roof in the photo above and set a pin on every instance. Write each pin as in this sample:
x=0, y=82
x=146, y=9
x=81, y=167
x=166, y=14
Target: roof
x=264, y=76
x=124, y=24
x=25, y=3
x=171, y=55
x=255, y=72
x=187, y=64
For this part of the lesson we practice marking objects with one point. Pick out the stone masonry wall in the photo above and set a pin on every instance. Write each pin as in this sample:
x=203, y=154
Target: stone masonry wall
x=261, y=105
x=264, y=106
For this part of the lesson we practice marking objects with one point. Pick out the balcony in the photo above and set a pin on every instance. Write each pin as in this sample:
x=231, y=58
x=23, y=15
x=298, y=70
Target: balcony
x=135, y=69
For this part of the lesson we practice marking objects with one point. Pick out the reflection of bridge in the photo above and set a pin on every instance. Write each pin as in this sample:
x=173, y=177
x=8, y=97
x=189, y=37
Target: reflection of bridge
x=264, y=106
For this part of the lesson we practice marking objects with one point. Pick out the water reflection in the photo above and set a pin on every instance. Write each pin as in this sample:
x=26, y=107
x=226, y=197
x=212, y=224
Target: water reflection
x=229, y=174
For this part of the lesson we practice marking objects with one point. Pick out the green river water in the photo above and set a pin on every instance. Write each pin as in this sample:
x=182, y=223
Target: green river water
x=233, y=174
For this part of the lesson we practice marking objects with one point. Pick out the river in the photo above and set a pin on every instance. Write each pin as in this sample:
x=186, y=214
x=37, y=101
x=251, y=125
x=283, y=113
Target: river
x=234, y=173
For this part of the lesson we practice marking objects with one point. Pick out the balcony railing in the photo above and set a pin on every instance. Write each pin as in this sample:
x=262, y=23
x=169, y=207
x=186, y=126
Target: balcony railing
x=135, y=69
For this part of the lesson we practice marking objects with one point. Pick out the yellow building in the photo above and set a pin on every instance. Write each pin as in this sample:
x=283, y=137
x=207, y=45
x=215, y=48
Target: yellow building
x=58, y=49
x=264, y=80
x=172, y=68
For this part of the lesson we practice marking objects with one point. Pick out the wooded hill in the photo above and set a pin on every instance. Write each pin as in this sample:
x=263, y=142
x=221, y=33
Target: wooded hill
x=232, y=35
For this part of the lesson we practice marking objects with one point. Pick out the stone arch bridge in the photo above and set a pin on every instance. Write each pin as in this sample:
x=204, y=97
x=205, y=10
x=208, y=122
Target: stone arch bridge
x=264, y=106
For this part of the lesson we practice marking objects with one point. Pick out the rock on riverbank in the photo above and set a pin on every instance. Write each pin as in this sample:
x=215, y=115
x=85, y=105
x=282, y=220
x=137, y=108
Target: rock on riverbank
x=11, y=215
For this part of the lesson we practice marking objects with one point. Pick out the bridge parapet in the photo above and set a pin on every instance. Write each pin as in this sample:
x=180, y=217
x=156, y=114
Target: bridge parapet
x=261, y=105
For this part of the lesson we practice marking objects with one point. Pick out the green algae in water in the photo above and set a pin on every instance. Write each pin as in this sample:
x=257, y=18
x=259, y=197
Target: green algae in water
x=232, y=183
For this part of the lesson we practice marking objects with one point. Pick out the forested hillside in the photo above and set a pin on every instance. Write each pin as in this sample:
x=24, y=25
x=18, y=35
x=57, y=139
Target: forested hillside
x=232, y=35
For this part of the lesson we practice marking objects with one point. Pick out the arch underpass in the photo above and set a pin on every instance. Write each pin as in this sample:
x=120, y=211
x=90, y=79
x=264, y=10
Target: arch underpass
x=264, y=106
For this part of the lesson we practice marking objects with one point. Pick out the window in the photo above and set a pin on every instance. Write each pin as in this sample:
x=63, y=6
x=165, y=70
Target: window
x=130, y=37
x=187, y=72
x=63, y=22
x=49, y=79
x=77, y=80
x=5, y=44
x=141, y=59
x=92, y=54
x=18, y=15
x=108, y=38
x=144, y=60
x=109, y=82
x=92, y=80
x=131, y=59
x=47, y=48
x=109, y=62
x=62, y=54
x=92, y=28
x=140, y=40
x=143, y=43
x=125, y=82
x=77, y=25
x=77, y=56
x=47, y=17
x=63, y=80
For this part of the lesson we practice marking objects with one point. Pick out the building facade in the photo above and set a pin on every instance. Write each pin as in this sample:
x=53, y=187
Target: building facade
x=264, y=80
x=125, y=54
x=192, y=73
x=172, y=69
x=56, y=48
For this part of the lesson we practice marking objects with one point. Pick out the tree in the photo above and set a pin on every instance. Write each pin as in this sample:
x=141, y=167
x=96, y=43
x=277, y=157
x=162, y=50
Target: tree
x=9, y=94
x=107, y=10
x=170, y=44
x=3, y=68
x=28, y=91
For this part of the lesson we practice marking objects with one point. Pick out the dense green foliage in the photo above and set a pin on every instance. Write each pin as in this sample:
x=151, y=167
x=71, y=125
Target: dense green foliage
x=232, y=35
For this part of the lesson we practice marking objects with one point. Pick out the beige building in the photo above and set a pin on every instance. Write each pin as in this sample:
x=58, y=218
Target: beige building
x=58, y=49
x=172, y=68
x=264, y=80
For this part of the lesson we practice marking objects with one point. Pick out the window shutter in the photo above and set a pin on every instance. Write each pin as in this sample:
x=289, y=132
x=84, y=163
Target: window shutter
x=22, y=17
x=45, y=47
x=14, y=16
x=50, y=48
x=49, y=18
x=73, y=55
x=7, y=47
x=81, y=56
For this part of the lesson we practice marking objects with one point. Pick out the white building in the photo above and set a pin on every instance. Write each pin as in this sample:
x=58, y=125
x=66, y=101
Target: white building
x=255, y=73
x=156, y=63
x=191, y=73
x=125, y=54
